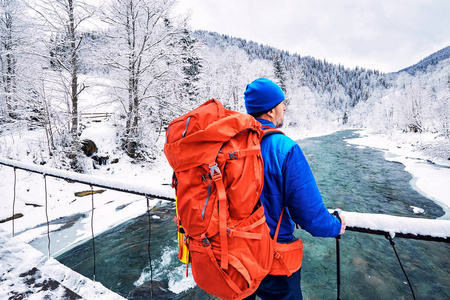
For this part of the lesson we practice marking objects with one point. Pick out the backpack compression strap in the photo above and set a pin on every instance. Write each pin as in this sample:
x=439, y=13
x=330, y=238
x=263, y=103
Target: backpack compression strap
x=216, y=176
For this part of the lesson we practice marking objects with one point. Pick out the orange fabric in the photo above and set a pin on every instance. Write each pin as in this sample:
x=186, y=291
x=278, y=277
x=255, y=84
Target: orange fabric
x=219, y=173
x=287, y=257
x=222, y=223
x=205, y=129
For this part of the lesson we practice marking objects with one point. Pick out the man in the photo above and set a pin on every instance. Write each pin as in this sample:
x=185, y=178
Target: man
x=289, y=184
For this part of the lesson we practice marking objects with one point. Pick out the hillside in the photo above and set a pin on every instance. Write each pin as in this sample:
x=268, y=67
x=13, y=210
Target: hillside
x=340, y=88
x=430, y=60
x=324, y=96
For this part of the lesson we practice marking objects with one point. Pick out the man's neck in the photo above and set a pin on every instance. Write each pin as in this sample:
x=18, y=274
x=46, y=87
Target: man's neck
x=267, y=118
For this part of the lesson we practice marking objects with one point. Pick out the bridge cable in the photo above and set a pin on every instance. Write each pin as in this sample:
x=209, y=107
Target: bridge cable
x=46, y=215
x=92, y=226
x=391, y=241
x=14, y=201
x=148, y=247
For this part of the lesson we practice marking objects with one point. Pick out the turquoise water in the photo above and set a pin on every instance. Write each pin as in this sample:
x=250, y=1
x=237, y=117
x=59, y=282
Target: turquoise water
x=360, y=179
x=349, y=177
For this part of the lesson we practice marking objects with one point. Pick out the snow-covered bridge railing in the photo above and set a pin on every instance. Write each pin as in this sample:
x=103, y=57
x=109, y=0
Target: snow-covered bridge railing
x=404, y=227
x=162, y=193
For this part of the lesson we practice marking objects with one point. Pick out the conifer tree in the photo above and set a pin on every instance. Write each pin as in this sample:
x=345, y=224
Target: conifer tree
x=191, y=66
x=280, y=72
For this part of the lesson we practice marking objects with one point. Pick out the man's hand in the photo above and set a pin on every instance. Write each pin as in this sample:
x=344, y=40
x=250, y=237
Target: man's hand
x=343, y=224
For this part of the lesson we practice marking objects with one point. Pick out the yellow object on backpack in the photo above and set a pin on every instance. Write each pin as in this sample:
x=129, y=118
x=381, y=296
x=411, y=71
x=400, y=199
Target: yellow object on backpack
x=183, y=252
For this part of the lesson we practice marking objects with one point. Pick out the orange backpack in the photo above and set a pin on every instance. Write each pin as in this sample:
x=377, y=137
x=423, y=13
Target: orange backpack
x=218, y=178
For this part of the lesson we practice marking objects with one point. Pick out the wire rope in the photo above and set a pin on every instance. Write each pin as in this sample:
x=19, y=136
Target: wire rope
x=148, y=246
x=14, y=201
x=92, y=226
x=391, y=241
x=46, y=215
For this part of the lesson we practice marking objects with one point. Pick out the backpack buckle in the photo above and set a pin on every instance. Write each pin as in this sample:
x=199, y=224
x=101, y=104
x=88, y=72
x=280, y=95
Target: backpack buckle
x=233, y=155
x=277, y=255
x=206, y=242
x=174, y=180
x=215, y=172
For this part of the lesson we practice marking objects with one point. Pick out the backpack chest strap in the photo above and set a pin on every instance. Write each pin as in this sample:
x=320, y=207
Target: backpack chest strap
x=255, y=150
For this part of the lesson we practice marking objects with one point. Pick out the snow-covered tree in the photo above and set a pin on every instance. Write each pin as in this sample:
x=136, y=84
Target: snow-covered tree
x=227, y=72
x=59, y=23
x=10, y=39
x=192, y=66
x=441, y=108
x=146, y=64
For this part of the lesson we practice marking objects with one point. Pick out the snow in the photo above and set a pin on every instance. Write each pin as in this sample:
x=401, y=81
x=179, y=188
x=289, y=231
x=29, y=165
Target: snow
x=111, y=207
x=64, y=209
x=417, y=210
x=27, y=273
x=393, y=224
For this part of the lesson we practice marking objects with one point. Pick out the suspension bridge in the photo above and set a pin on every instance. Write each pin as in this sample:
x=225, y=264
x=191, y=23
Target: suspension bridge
x=389, y=226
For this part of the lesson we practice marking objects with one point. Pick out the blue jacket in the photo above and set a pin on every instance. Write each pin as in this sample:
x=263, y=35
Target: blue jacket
x=289, y=182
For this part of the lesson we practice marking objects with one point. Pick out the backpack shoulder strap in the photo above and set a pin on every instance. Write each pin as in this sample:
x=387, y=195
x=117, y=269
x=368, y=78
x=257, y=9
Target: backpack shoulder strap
x=275, y=237
x=268, y=131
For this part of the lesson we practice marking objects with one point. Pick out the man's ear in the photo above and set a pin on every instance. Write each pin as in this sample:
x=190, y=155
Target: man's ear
x=271, y=114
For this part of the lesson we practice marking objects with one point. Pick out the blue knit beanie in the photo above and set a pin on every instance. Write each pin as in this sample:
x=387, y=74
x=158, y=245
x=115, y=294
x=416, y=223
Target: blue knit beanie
x=262, y=95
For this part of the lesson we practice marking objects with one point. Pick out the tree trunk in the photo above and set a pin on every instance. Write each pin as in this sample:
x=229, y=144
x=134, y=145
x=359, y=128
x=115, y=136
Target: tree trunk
x=133, y=97
x=74, y=70
x=74, y=85
x=9, y=74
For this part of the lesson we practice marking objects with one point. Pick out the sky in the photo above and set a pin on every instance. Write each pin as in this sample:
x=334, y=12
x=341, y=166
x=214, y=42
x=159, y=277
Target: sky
x=387, y=35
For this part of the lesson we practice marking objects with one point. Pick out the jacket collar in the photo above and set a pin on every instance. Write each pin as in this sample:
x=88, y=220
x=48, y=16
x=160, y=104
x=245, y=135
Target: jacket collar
x=265, y=122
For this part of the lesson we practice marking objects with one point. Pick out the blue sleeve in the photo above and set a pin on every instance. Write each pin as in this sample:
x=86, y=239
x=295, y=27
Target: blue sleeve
x=303, y=198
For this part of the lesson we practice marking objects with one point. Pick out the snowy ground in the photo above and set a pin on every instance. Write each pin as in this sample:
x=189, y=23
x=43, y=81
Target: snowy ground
x=26, y=273
x=65, y=210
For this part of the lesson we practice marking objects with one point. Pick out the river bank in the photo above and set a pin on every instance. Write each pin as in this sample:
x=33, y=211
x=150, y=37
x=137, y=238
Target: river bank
x=424, y=156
